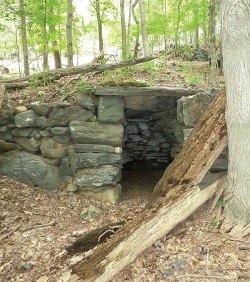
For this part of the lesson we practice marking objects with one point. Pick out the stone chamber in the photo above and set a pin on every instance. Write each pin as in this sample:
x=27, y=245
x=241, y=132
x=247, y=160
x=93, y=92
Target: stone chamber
x=94, y=146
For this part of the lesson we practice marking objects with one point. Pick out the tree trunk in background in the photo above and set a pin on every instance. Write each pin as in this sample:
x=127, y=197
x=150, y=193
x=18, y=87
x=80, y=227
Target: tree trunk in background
x=137, y=24
x=99, y=23
x=235, y=22
x=123, y=30
x=24, y=38
x=212, y=41
x=45, y=39
x=176, y=36
x=57, y=56
x=144, y=33
x=69, y=27
x=129, y=27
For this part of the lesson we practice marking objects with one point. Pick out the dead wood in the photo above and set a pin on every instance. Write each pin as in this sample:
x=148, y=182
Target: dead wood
x=175, y=197
x=7, y=235
x=52, y=75
x=93, y=238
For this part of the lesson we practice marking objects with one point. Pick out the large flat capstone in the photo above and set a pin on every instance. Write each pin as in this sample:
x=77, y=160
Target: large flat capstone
x=110, y=109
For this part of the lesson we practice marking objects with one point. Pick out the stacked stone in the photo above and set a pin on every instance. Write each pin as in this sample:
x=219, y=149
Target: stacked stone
x=145, y=140
x=59, y=145
x=189, y=111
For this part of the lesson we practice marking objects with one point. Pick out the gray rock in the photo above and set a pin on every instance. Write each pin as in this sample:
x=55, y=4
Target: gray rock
x=96, y=133
x=98, y=176
x=51, y=149
x=135, y=137
x=30, y=169
x=20, y=109
x=187, y=132
x=71, y=187
x=29, y=144
x=91, y=212
x=7, y=136
x=22, y=132
x=41, y=109
x=107, y=193
x=35, y=134
x=191, y=108
x=60, y=130
x=26, y=119
x=82, y=160
x=63, y=116
x=85, y=102
x=132, y=129
x=62, y=139
x=143, y=126
x=7, y=146
x=6, y=117
x=110, y=109
x=65, y=169
x=93, y=148
x=41, y=121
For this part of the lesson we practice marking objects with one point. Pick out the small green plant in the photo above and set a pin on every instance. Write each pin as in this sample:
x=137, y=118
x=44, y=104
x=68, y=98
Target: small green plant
x=84, y=217
x=220, y=203
x=41, y=80
x=83, y=86
x=214, y=223
x=93, y=119
x=191, y=80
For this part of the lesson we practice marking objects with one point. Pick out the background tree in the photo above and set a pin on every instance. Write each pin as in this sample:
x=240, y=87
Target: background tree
x=24, y=38
x=69, y=32
x=235, y=21
x=144, y=32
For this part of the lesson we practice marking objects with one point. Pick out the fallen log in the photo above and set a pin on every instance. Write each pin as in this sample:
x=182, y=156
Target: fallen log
x=170, y=205
x=52, y=75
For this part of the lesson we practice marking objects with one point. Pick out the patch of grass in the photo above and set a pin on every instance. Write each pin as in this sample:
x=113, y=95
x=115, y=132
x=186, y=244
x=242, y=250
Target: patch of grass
x=84, y=86
x=41, y=80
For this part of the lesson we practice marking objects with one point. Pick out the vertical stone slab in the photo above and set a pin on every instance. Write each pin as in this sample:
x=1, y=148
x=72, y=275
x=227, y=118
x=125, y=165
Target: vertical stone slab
x=110, y=109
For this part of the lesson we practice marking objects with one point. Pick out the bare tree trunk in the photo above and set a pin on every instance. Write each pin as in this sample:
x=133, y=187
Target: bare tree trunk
x=176, y=37
x=212, y=41
x=137, y=24
x=45, y=39
x=99, y=23
x=123, y=29
x=69, y=27
x=235, y=22
x=144, y=32
x=57, y=56
x=24, y=38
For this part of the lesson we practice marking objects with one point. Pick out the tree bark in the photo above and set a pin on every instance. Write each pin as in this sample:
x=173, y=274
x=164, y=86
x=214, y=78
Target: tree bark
x=24, y=38
x=144, y=32
x=57, y=74
x=69, y=27
x=99, y=23
x=137, y=24
x=212, y=41
x=123, y=30
x=235, y=21
x=165, y=212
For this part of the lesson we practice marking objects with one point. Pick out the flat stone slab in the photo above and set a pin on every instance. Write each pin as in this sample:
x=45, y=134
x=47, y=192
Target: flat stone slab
x=99, y=176
x=93, y=148
x=96, y=133
x=110, y=109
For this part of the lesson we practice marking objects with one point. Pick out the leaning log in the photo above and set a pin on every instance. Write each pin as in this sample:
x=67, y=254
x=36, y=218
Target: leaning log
x=52, y=75
x=170, y=205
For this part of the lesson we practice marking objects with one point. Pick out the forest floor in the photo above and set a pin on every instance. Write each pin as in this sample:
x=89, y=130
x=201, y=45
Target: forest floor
x=37, y=225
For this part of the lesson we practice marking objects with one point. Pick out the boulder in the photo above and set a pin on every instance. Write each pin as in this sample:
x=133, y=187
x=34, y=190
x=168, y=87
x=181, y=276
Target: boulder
x=110, y=109
x=26, y=119
x=6, y=117
x=82, y=160
x=85, y=102
x=107, y=193
x=7, y=146
x=99, y=176
x=96, y=133
x=63, y=116
x=30, y=169
x=41, y=108
x=29, y=144
x=191, y=108
x=51, y=149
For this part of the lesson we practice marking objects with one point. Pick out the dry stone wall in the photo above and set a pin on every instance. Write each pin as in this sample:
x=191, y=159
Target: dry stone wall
x=83, y=147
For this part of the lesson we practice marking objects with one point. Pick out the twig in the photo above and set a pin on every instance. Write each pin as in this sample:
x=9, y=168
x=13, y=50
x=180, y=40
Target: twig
x=218, y=193
x=244, y=275
x=204, y=276
x=40, y=225
x=10, y=233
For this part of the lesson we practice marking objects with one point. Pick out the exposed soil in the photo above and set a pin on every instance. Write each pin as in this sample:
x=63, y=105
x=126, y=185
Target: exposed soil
x=37, y=225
